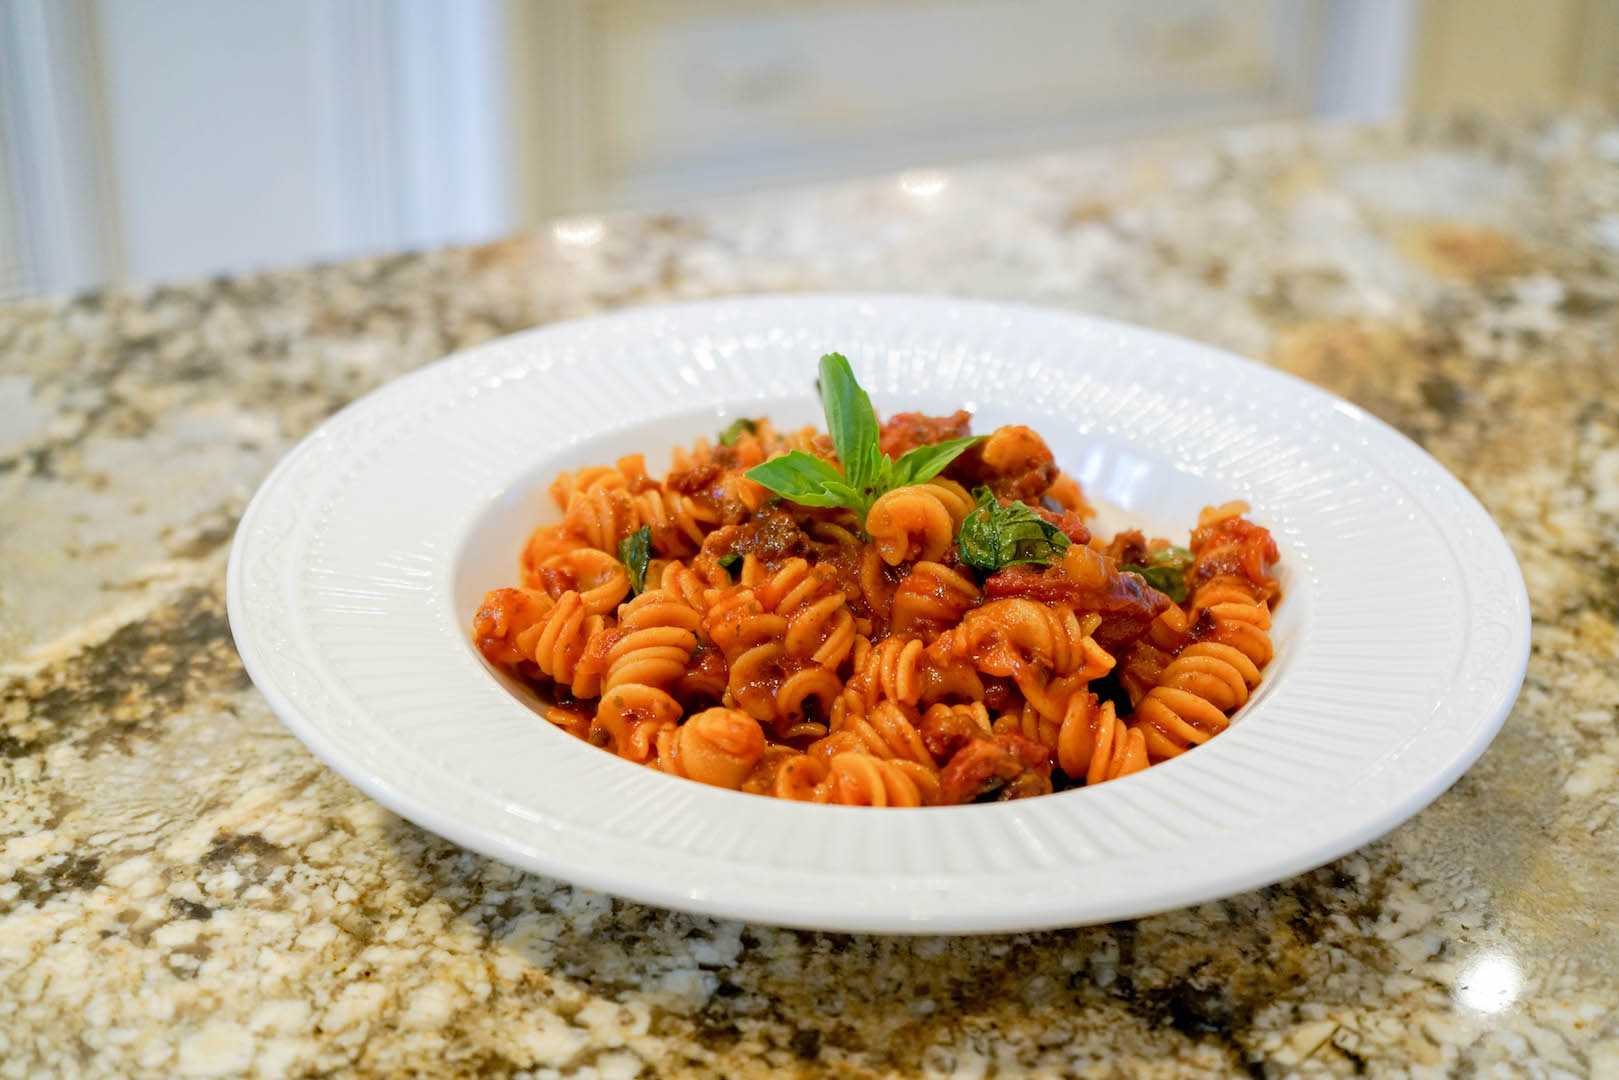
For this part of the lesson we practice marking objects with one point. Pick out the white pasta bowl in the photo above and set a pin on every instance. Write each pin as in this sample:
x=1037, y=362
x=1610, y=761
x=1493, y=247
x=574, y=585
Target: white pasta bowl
x=1401, y=637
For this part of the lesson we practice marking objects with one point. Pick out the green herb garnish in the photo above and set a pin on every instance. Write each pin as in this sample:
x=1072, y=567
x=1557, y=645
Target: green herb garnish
x=635, y=551
x=867, y=472
x=1166, y=571
x=994, y=537
x=739, y=427
x=730, y=562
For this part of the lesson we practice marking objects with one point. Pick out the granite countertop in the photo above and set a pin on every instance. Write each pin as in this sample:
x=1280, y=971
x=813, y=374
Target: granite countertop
x=186, y=891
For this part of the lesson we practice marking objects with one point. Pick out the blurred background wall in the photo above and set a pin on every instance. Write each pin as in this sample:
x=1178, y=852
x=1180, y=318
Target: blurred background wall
x=147, y=140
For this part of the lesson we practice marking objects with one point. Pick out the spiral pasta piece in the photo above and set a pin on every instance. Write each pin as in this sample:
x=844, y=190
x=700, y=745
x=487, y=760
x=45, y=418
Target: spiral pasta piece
x=888, y=731
x=678, y=522
x=738, y=622
x=676, y=577
x=503, y=615
x=600, y=579
x=1008, y=637
x=931, y=598
x=784, y=638
x=1229, y=628
x=717, y=746
x=515, y=625
x=1206, y=682
x=794, y=695
x=1018, y=462
x=1095, y=743
x=891, y=669
x=776, y=690
x=601, y=517
x=1089, y=741
x=785, y=773
x=820, y=626
x=1227, y=544
x=544, y=544
x=918, y=523
x=646, y=658
x=568, y=487
x=856, y=779
x=1228, y=611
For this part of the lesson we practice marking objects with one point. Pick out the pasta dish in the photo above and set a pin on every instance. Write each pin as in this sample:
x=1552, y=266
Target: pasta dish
x=885, y=614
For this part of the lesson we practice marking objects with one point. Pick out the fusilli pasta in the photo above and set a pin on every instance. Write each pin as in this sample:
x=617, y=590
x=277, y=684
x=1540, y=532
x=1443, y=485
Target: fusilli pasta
x=939, y=637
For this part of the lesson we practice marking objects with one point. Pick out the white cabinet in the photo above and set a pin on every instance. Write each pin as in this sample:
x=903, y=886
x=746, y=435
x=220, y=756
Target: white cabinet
x=643, y=100
x=157, y=139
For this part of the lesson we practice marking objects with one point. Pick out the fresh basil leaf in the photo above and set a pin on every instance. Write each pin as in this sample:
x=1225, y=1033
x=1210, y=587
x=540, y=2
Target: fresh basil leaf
x=635, y=551
x=852, y=423
x=739, y=427
x=1166, y=571
x=848, y=495
x=922, y=464
x=729, y=563
x=994, y=537
x=803, y=478
x=863, y=472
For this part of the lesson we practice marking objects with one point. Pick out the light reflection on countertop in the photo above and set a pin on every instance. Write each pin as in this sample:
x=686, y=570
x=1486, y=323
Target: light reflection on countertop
x=1490, y=981
x=577, y=232
x=923, y=184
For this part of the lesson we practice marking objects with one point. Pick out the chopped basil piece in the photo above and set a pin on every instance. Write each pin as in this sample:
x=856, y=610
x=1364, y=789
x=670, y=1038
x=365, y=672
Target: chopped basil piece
x=805, y=479
x=1166, y=571
x=994, y=537
x=635, y=551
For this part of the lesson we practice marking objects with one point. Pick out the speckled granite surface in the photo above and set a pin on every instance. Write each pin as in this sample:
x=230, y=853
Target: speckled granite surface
x=185, y=891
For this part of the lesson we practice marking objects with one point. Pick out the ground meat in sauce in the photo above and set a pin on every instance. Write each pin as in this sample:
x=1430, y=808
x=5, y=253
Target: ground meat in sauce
x=1025, y=485
x=772, y=535
x=1128, y=548
x=844, y=561
x=696, y=479
x=557, y=581
x=946, y=731
x=595, y=661
x=1068, y=522
x=999, y=693
x=1126, y=603
x=906, y=431
x=1005, y=766
x=1240, y=548
x=1013, y=462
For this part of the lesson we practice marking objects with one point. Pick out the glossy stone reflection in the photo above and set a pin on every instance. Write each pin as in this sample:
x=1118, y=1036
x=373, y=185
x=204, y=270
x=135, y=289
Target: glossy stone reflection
x=578, y=232
x=1490, y=982
x=923, y=184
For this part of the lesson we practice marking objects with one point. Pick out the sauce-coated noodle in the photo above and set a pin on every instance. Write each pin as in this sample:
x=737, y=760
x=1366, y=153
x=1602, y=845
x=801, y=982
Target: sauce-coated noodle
x=813, y=654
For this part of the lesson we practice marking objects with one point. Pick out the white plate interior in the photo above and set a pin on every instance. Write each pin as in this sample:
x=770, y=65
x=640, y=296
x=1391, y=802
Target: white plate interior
x=1402, y=637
